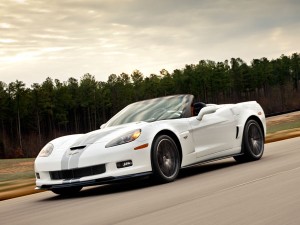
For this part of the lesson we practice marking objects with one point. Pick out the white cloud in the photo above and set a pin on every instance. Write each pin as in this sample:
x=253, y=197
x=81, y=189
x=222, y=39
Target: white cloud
x=5, y=26
x=7, y=41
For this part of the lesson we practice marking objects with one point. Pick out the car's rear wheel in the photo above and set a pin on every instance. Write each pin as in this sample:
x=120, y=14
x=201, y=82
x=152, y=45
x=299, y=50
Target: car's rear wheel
x=66, y=191
x=165, y=159
x=253, y=142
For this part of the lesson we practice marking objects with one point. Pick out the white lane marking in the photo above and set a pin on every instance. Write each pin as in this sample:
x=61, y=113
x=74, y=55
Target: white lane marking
x=258, y=179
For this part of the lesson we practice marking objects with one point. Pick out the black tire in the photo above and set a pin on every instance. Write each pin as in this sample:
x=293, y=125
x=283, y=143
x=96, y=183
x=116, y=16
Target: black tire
x=165, y=159
x=66, y=191
x=252, y=143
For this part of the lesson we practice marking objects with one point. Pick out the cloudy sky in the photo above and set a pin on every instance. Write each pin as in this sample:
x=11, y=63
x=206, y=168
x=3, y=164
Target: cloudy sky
x=62, y=38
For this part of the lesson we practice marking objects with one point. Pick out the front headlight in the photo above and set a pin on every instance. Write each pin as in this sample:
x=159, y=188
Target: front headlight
x=46, y=150
x=125, y=138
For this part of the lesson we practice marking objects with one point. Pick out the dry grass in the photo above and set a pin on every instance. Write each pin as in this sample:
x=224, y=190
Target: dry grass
x=16, y=178
x=283, y=127
x=282, y=135
x=15, y=169
x=17, y=188
x=283, y=122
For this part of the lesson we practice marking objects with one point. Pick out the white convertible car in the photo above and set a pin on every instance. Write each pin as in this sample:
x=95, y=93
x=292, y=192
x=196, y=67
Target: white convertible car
x=153, y=137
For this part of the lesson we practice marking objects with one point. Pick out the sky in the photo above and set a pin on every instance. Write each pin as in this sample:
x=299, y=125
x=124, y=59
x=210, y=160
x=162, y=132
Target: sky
x=62, y=39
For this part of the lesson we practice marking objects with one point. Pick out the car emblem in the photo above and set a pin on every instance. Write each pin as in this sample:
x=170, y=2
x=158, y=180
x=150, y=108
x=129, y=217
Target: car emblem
x=73, y=153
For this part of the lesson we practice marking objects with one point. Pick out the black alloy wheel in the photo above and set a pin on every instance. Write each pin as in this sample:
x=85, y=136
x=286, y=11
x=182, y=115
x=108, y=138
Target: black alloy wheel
x=253, y=142
x=165, y=159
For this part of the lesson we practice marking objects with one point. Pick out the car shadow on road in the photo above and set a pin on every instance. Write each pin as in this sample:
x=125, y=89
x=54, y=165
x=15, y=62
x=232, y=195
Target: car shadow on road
x=145, y=182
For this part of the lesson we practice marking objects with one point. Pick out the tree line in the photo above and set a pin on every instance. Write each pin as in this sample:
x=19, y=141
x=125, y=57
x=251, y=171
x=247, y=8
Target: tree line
x=30, y=117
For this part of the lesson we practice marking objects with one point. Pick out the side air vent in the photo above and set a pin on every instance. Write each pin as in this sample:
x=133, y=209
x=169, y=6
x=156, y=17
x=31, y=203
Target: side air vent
x=78, y=147
x=237, y=132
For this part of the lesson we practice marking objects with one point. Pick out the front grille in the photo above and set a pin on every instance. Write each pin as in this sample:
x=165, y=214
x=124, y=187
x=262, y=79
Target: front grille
x=77, y=173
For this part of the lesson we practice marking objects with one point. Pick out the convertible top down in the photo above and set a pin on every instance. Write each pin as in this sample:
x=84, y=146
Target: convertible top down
x=153, y=137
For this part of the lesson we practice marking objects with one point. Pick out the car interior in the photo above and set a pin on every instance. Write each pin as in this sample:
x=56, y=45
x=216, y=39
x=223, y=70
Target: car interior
x=197, y=107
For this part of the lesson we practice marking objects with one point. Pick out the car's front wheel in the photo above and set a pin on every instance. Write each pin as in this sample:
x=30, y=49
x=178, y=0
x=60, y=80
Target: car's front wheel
x=66, y=191
x=252, y=143
x=165, y=159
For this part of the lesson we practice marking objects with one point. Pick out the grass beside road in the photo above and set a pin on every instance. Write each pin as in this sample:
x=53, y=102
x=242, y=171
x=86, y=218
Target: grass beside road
x=17, y=176
x=14, y=169
x=283, y=127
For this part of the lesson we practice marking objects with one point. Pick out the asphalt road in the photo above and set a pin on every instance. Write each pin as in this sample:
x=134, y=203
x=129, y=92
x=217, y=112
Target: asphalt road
x=223, y=192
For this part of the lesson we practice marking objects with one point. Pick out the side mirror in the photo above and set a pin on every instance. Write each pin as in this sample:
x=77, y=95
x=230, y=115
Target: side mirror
x=206, y=110
x=102, y=126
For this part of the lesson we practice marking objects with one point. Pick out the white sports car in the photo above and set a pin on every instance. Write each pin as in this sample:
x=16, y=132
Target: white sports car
x=153, y=137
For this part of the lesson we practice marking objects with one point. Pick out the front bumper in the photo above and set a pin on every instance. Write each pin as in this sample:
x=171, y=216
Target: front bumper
x=92, y=166
x=106, y=180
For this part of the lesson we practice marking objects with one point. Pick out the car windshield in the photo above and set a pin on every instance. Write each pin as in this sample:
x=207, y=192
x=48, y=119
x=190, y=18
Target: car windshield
x=171, y=107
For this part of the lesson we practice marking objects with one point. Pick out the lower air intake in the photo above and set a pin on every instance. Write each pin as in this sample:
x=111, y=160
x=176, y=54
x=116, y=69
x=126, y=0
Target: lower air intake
x=77, y=173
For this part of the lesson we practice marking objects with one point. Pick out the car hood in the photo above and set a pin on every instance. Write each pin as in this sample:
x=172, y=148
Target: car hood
x=105, y=135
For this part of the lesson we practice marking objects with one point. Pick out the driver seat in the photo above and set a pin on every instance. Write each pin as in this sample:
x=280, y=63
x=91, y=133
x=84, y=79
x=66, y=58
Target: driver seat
x=197, y=107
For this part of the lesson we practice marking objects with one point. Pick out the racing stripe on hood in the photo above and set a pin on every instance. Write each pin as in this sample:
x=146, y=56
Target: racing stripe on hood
x=70, y=159
x=65, y=160
x=74, y=159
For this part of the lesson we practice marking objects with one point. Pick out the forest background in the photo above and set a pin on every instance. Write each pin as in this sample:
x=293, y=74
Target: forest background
x=30, y=117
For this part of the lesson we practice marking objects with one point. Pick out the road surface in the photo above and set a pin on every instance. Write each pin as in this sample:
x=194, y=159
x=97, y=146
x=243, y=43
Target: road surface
x=223, y=192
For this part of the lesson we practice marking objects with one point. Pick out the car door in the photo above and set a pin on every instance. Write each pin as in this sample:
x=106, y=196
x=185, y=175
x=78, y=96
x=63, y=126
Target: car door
x=214, y=133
